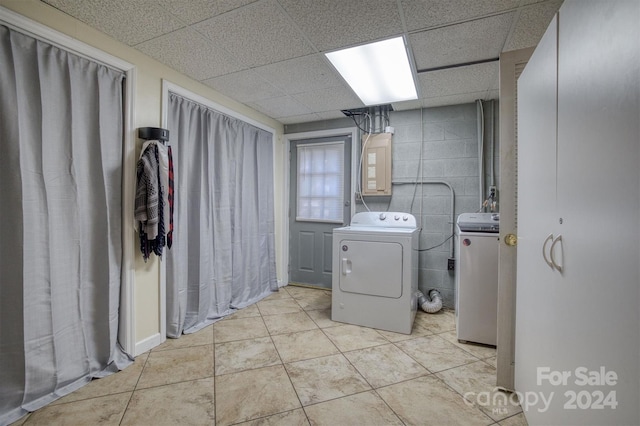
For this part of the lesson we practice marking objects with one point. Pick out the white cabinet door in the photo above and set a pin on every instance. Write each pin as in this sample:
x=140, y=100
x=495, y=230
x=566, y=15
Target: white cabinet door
x=586, y=318
x=535, y=291
x=598, y=163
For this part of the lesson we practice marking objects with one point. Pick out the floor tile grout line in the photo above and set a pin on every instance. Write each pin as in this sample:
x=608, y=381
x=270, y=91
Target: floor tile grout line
x=409, y=355
x=215, y=395
x=288, y=376
x=390, y=408
x=135, y=387
x=465, y=399
x=174, y=383
x=267, y=416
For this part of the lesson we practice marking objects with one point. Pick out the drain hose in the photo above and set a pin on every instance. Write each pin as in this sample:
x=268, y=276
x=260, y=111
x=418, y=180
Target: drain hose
x=432, y=304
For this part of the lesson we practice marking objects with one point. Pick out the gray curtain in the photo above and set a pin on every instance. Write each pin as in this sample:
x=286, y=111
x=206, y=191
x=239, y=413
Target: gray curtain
x=223, y=254
x=60, y=222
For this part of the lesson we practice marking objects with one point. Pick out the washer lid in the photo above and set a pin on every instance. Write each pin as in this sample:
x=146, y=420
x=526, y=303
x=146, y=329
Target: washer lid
x=479, y=222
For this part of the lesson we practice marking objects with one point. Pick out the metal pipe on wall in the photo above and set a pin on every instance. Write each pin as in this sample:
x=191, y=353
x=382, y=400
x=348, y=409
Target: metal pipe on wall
x=480, y=132
x=493, y=142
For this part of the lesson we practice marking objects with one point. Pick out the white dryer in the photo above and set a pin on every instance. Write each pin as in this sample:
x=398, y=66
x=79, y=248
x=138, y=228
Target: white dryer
x=375, y=271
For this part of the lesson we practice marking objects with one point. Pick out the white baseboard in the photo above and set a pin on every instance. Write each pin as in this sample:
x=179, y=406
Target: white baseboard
x=149, y=343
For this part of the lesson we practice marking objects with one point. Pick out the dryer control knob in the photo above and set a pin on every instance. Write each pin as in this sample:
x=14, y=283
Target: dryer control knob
x=405, y=218
x=396, y=217
x=383, y=216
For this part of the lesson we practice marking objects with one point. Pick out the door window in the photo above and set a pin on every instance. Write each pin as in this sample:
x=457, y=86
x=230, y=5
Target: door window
x=321, y=182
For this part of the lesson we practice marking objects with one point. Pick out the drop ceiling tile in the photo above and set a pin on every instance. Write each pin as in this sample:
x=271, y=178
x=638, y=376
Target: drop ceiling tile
x=282, y=106
x=192, y=11
x=459, y=99
x=455, y=81
x=334, y=24
x=331, y=115
x=244, y=86
x=460, y=43
x=406, y=105
x=257, y=34
x=188, y=52
x=330, y=98
x=130, y=22
x=300, y=74
x=421, y=14
x=528, y=2
x=295, y=119
x=531, y=24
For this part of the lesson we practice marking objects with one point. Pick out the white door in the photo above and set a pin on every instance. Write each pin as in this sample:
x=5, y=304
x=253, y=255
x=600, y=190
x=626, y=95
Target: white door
x=582, y=320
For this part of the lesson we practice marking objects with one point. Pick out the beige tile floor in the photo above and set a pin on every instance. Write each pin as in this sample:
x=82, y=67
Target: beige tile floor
x=283, y=361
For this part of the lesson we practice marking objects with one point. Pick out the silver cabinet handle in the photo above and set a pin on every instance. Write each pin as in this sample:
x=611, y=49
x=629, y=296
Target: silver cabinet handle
x=552, y=255
x=544, y=250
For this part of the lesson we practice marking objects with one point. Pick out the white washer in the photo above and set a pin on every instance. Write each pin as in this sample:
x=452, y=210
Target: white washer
x=477, y=277
x=375, y=271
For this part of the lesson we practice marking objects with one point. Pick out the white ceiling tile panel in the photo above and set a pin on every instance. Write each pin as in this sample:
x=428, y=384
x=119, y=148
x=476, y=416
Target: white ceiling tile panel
x=305, y=118
x=300, y=74
x=460, y=99
x=421, y=14
x=244, y=86
x=192, y=11
x=130, y=22
x=330, y=115
x=282, y=106
x=330, y=98
x=528, y=2
x=531, y=24
x=460, y=43
x=406, y=105
x=256, y=34
x=455, y=81
x=188, y=52
x=334, y=24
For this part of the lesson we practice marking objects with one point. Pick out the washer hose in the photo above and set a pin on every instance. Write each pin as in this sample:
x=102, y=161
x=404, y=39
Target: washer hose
x=432, y=304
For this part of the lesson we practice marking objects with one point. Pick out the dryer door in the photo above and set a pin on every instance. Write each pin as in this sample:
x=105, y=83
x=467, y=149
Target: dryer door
x=371, y=267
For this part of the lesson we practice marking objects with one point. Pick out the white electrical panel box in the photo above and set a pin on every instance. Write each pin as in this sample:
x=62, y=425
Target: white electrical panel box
x=376, y=164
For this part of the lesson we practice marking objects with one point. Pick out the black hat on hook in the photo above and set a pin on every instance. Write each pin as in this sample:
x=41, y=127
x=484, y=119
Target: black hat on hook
x=153, y=133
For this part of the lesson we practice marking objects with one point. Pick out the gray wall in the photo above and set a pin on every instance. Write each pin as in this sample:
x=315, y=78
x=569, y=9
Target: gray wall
x=449, y=138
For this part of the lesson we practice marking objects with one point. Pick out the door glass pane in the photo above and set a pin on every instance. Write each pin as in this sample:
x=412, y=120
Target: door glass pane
x=321, y=182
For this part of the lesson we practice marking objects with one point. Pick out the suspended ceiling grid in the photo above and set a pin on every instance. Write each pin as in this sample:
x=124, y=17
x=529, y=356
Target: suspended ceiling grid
x=269, y=54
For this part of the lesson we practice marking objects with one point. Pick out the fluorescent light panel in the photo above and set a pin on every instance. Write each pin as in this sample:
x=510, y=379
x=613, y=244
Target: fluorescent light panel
x=379, y=72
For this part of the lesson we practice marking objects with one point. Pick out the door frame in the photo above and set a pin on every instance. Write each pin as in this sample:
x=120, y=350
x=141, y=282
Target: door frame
x=508, y=201
x=288, y=138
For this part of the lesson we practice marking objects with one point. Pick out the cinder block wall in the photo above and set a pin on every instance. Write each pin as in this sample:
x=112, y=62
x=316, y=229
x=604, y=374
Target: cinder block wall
x=449, y=139
x=450, y=154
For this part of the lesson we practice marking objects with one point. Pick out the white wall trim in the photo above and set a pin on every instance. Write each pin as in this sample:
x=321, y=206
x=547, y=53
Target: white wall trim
x=149, y=343
x=22, y=24
x=286, y=161
x=506, y=305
